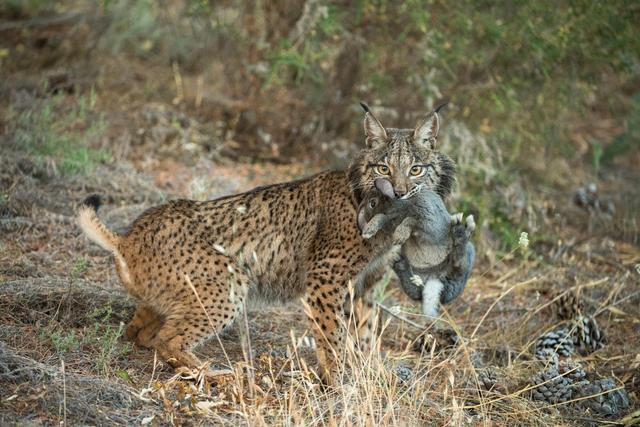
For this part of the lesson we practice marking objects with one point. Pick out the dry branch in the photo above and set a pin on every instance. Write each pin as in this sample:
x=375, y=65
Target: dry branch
x=49, y=21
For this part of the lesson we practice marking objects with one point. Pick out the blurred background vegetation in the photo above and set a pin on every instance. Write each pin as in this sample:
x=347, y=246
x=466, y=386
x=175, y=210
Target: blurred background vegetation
x=544, y=97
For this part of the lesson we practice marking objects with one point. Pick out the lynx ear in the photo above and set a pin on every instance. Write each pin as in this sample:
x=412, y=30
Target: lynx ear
x=426, y=133
x=373, y=129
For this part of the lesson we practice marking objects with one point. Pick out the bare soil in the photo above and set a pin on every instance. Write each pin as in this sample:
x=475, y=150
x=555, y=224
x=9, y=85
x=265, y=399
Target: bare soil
x=62, y=357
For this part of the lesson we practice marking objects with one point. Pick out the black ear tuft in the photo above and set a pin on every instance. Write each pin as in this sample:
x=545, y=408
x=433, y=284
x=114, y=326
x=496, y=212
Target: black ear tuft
x=92, y=201
x=365, y=107
x=440, y=107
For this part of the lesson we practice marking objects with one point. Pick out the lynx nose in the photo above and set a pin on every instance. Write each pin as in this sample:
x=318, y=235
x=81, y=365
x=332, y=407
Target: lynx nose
x=399, y=192
x=400, y=188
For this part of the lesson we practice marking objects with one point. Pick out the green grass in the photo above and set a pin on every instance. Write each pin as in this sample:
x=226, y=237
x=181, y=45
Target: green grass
x=101, y=340
x=79, y=267
x=521, y=74
x=628, y=140
x=61, y=133
x=65, y=341
x=106, y=344
x=105, y=339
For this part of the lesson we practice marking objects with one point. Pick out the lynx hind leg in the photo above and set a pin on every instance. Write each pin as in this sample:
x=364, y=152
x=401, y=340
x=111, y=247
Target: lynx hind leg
x=143, y=326
x=198, y=316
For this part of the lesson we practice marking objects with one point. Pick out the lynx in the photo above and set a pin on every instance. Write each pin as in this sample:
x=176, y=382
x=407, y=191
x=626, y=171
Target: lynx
x=192, y=265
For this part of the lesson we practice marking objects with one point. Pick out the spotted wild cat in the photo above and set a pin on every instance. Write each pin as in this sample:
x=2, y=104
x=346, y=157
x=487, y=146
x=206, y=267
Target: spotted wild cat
x=192, y=264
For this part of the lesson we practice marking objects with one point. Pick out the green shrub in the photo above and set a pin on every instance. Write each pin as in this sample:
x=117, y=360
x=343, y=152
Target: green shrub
x=61, y=132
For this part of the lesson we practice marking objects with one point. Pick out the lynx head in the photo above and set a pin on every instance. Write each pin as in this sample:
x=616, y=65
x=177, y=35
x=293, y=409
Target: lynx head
x=405, y=157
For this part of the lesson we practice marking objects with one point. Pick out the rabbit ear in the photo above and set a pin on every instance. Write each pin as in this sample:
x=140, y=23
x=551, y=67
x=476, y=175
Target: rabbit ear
x=373, y=129
x=384, y=186
x=426, y=132
x=362, y=219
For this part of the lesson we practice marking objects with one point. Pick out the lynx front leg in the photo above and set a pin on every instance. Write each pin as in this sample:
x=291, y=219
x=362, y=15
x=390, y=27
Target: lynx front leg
x=325, y=296
x=362, y=318
x=360, y=310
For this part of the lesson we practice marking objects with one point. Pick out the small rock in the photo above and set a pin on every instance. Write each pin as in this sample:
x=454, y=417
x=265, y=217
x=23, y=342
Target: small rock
x=266, y=381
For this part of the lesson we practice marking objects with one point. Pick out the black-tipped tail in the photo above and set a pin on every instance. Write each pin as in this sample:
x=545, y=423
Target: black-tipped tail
x=92, y=202
x=93, y=227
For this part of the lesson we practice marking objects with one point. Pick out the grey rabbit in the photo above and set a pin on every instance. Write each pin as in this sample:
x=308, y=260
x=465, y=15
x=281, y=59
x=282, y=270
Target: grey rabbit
x=436, y=255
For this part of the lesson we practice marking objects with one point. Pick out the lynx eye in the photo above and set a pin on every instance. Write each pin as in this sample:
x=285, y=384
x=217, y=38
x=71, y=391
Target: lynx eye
x=373, y=203
x=381, y=169
x=417, y=170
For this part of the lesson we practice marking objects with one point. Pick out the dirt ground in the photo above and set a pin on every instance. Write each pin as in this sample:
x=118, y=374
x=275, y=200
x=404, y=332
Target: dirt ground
x=62, y=310
x=63, y=360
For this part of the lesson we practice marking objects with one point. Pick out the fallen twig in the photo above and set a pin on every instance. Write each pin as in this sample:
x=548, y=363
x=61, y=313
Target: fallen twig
x=64, y=19
x=399, y=317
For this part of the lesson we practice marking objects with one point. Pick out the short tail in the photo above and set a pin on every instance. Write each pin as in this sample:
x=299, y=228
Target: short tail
x=93, y=227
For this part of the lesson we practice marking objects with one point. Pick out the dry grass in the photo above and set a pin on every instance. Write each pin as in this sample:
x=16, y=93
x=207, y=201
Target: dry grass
x=62, y=359
x=61, y=306
x=272, y=381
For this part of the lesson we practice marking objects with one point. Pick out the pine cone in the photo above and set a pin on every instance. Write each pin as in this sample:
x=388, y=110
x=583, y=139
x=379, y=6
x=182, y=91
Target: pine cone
x=572, y=370
x=476, y=359
x=568, y=306
x=558, y=342
x=551, y=386
x=547, y=354
x=403, y=373
x=488, y=378
x=587, y=335
x=444, y=338
x=603, y=400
